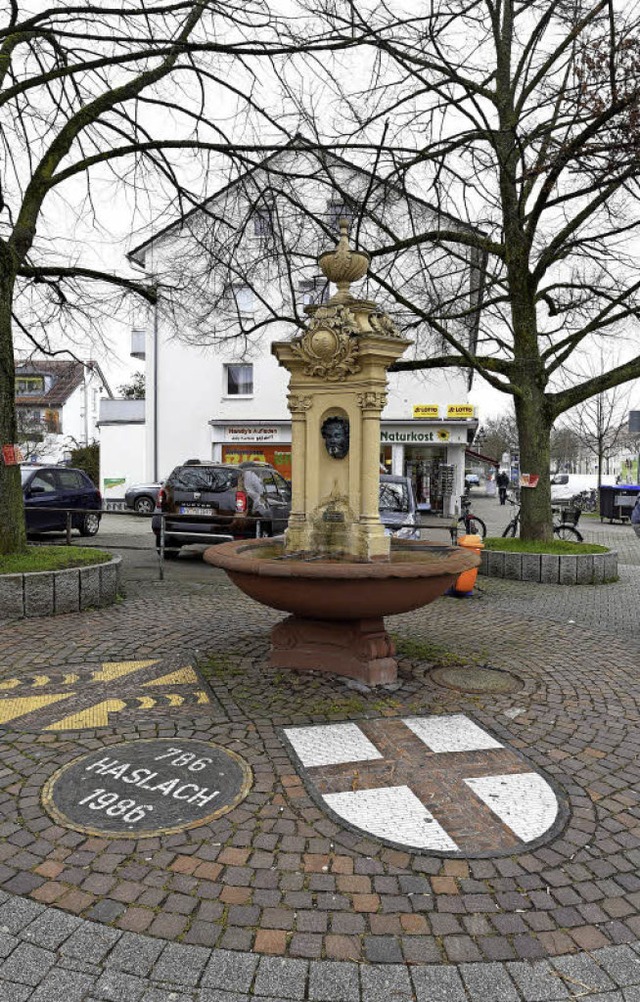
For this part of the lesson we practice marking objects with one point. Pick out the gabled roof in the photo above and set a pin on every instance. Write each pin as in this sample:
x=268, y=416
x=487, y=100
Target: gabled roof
x=298, y=144
x=68, y=376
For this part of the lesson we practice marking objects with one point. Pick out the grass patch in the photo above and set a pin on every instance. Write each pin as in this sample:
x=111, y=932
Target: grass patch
x=52, y=558
x=422, y=650
x=558, y=546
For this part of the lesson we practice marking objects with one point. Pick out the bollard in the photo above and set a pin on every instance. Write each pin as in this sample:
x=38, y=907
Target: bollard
x=465, y=582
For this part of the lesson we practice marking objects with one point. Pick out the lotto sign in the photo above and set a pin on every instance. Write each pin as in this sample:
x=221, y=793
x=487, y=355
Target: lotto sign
x=426, y=411
x=146, y=788
x=460, y=411
x=439, y=784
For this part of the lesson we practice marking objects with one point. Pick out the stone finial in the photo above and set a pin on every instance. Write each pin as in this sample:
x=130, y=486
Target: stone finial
x=343, y=265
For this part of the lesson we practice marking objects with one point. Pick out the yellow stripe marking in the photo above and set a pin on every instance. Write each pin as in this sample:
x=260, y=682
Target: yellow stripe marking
x=182, y=675
x=10, y=683
x=175, y=699
x=202, y=697
x=12, y=708
x=93, y=716
x=146, y=702
x=70, y=679
x=40, y=680
x=112, y=670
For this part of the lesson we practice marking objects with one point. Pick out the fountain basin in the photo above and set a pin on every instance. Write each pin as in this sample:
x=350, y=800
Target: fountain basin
x=338, y=605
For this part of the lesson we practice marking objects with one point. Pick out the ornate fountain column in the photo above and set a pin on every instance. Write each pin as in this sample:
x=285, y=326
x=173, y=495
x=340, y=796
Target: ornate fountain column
x=338, y=369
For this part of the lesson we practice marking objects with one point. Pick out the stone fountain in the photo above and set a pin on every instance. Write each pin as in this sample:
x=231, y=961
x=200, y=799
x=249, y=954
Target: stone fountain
x=336, y=571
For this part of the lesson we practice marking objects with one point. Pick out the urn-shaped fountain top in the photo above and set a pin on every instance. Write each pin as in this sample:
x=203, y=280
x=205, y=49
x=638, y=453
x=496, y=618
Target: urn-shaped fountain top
x=343, y=265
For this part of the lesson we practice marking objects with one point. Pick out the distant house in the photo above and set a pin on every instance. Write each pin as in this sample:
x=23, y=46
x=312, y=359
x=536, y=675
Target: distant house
x=57, y=404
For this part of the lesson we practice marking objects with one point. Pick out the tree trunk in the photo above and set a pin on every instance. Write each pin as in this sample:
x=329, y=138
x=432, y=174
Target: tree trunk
x=12, y=529
x=534, y=428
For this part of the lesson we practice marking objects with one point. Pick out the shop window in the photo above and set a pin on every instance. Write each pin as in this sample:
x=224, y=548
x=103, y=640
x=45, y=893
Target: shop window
x=239, y=380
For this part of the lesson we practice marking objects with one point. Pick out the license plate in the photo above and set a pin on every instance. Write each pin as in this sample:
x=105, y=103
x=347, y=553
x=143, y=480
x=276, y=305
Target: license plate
x=187, y=510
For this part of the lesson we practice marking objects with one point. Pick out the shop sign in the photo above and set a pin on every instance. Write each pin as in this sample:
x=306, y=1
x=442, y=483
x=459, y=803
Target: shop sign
x=459, y=411
x=426, y=411
x=415, y=436
x=244, y=433
x=12, y=455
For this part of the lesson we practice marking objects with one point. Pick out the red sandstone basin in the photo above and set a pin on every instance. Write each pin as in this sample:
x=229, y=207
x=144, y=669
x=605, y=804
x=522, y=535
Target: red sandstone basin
x=416, y=573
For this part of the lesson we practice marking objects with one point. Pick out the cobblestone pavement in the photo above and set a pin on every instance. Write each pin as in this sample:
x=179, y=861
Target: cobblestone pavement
x=276, y=899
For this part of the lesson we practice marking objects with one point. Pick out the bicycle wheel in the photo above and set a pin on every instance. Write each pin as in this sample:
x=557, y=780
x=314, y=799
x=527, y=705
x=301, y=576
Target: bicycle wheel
x=565, y=531
x=511, y=530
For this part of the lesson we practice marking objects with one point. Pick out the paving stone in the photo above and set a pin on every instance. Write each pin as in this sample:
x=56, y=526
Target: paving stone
x=181, y=964
x=537, y=982
x=27, y=964
x=51, y=929
x=488, y=981
x=333, y=980
x=582, y=969
x=166, y=995
x=63, y=986
x=281, y=978
x=115, y=986
x=91, y=943
x=621, y=964
x=379, y=984
x=17, y=913
x=14, y=993
x=438, y=984
x=225, y=967
x=135, y=954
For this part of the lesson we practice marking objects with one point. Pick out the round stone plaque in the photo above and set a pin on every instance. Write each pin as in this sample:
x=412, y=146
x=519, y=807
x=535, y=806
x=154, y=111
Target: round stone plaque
x=143, y=788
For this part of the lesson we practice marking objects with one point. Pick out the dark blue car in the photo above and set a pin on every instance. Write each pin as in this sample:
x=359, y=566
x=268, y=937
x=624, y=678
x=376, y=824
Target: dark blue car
x=47, y=489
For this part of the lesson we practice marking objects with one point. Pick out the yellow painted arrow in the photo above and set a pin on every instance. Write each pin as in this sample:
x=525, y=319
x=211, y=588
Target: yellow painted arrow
x=146, y=702
x=93, y=716
x=178, y=677
x=10, y=709
x=112, y=670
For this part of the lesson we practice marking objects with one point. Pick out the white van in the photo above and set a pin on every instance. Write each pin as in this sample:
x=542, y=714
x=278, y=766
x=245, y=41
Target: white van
x=565, y=486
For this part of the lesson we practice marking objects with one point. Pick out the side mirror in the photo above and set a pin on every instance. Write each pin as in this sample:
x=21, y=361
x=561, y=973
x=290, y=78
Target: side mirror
x=35, y=490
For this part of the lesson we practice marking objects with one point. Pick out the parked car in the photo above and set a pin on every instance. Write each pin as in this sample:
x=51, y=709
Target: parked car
x=212, y=502
x=472, y=479
x=565, y=486
x=47, y=489
x=398, y=508
x=142, y=498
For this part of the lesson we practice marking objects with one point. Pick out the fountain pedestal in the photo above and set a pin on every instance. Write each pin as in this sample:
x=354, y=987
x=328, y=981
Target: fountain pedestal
x=361, y=649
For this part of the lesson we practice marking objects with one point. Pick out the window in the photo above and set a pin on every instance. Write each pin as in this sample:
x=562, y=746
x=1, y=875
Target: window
x=241, y=298
x=44, y=481
x=70, y=480
x=313, y=291
x=338, y=209
x=239, y=380
x=262, y=223
x=29, y=385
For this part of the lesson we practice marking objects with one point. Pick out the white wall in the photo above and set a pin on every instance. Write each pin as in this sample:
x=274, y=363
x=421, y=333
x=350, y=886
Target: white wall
x=122, y=457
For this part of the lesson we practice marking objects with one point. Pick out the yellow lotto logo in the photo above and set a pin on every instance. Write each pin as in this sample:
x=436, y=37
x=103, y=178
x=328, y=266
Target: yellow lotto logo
x=460, y=411
x=426, y=411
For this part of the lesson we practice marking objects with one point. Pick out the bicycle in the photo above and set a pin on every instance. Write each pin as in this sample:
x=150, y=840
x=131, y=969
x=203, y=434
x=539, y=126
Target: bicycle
x=564, y=528
x=585, y=500
x=473, y=525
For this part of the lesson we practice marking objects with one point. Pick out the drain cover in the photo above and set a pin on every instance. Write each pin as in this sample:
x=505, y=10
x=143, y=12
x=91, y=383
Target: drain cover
x=473, y=679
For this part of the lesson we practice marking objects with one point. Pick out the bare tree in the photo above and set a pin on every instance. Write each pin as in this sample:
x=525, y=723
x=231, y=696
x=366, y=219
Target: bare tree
x=522, y=120
x=144, y=100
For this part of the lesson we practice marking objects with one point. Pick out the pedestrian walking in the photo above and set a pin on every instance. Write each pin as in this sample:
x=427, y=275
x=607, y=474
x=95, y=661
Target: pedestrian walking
x=502, y=482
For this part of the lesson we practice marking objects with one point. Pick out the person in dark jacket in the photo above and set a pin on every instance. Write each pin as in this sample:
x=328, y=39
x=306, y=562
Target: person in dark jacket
x=502, y=482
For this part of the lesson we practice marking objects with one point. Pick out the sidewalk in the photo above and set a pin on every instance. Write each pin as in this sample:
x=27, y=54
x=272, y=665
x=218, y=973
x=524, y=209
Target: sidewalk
x=277, y=900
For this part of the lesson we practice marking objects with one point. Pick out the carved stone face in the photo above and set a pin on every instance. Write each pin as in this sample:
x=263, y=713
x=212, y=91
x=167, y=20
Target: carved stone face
x=335, y=432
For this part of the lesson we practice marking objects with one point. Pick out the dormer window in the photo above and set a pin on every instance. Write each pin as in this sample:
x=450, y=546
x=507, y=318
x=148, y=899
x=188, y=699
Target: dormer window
x=29, y=385
x=337, y=209
x=262, y=223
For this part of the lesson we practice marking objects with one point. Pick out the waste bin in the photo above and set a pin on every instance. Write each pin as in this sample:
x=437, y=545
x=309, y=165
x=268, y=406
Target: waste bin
x=616, y=502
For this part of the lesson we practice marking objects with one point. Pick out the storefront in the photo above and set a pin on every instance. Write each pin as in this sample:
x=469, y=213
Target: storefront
x=430, y=451
x=262, y=442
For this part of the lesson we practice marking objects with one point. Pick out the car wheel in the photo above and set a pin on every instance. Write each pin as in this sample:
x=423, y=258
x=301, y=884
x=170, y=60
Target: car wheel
x=144, y=505
x=90, y=524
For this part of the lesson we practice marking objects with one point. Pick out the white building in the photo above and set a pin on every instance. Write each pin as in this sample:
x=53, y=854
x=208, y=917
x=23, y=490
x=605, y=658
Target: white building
x=57, y=406
x=213, y=388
